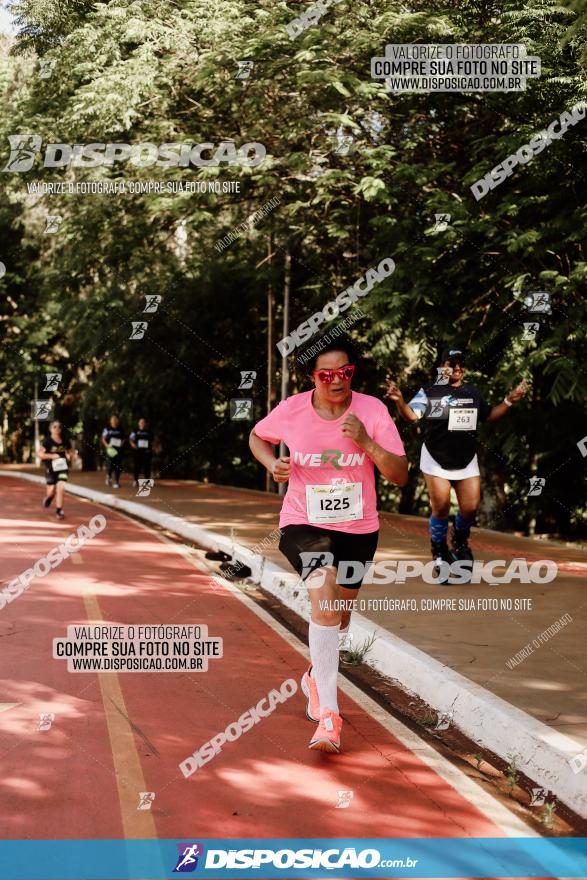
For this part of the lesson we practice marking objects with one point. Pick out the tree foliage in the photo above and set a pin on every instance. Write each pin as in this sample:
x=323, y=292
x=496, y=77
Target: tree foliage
x=136, y=71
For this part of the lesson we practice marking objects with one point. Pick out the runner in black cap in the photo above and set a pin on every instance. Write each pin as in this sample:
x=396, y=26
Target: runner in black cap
x=451, y=410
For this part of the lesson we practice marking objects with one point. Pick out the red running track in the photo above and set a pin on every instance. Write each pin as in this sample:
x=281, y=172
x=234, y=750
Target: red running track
x=115, y=734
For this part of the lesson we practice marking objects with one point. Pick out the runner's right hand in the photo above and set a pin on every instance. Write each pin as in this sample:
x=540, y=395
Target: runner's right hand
x=393, y=392
x=281, y=469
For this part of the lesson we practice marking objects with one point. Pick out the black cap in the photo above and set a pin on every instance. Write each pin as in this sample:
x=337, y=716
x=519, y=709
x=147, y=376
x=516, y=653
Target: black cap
x=449, y=354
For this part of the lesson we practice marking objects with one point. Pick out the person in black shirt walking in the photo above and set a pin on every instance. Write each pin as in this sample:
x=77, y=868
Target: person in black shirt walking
x=113, y=442
x=452, y=410
x=141, y=441
x=55, y=452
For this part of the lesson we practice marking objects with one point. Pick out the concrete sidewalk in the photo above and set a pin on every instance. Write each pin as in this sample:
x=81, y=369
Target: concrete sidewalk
x=549, y=685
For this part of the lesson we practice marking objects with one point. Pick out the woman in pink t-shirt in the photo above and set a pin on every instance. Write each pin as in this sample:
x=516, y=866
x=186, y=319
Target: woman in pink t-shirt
x=335, y=437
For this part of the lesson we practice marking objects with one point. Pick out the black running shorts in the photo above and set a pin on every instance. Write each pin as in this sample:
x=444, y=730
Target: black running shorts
x=54, y=477
x=309, y=547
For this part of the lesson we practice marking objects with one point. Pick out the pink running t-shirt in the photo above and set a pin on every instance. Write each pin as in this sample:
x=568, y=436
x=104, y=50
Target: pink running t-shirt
x=321, y=455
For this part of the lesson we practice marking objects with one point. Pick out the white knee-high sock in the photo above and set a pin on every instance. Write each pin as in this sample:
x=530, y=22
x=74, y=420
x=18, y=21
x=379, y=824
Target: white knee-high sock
x=324, y=655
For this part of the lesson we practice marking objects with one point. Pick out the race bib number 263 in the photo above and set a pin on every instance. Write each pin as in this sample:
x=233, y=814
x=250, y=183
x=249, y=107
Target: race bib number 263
x=462, y=418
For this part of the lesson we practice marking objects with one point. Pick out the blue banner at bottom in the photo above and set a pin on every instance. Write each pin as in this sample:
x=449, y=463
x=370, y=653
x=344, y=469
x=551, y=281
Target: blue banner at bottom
x=416, y=858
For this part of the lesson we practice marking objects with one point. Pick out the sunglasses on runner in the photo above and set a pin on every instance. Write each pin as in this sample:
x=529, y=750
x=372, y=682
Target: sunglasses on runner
x=344, y=373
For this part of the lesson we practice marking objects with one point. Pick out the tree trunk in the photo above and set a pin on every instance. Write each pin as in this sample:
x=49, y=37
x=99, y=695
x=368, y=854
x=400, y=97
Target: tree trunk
x=88, y=451
x=269, y=483
x=284, y=365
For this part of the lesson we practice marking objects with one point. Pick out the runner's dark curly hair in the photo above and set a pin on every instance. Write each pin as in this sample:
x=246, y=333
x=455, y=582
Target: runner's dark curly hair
x=323, y=344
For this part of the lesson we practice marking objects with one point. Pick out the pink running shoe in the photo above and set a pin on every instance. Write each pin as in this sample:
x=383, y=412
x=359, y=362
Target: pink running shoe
x=327, y=736
x=313, y=701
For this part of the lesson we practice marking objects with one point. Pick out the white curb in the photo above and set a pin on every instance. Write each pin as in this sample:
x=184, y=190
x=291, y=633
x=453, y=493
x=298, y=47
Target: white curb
x=542, y=754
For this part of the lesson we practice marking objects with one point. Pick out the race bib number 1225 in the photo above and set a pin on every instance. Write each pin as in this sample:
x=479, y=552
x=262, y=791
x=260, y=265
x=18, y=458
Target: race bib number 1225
x=326, y=503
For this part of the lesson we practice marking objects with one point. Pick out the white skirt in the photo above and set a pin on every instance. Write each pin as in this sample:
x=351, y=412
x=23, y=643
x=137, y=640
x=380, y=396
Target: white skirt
x=429, y=466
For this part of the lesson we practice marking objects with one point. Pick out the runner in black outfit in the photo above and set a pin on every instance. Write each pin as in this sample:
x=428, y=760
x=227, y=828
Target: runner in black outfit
x=113, y=442
x=451, y=413
x=141, y=441
x=55, y=452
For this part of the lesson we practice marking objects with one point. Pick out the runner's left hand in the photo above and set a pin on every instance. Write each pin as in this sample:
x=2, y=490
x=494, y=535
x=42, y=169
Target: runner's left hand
x=354, y=429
